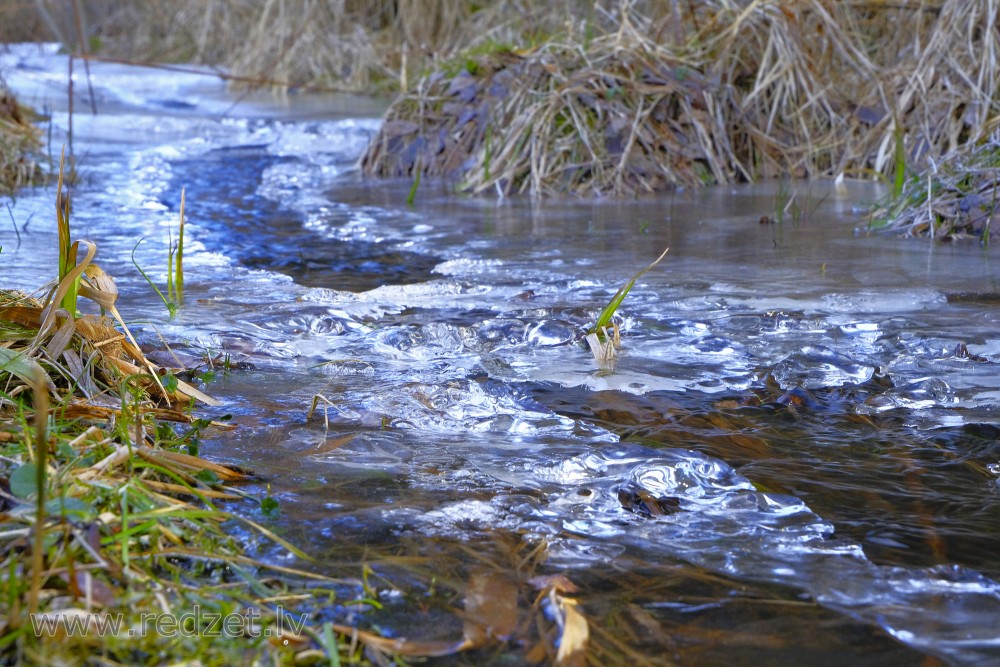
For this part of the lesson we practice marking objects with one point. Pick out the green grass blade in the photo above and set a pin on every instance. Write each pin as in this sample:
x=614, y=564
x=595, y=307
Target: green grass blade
x=900, y=158
x=20, y=365
x=171, y=307
x=410, y=198
x=609, y=310
x=179, y=269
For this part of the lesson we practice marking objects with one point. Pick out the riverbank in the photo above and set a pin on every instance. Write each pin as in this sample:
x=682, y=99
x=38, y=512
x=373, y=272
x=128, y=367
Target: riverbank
x=114, y=528
x=606, y=98
x=707, y=93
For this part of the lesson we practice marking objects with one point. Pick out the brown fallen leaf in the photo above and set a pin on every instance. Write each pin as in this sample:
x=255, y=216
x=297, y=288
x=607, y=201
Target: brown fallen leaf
x=558, y=582
x=490, y=608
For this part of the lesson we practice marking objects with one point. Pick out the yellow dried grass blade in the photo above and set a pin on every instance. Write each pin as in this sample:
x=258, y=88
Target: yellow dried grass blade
x=270, y=535
x=29, y=317
x=186, y=389
x=194, y=463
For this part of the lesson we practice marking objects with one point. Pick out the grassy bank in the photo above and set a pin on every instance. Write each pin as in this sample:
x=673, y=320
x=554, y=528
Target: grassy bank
x=955, y=198
x=113, y=528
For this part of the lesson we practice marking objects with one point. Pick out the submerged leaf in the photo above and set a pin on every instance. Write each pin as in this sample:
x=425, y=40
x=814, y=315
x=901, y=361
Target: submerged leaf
x=401, y=646
x=490, y=608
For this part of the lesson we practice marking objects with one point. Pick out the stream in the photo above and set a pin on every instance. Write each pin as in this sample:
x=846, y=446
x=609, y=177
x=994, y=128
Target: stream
x=797, y=457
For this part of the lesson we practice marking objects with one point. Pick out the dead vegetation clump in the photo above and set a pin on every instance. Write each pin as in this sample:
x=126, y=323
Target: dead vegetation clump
x=956, y=198
x=19, y=140
x=715, y=91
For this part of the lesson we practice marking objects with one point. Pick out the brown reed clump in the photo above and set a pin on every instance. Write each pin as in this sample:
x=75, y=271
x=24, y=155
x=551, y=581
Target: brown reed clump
x=19, y=139
x=714, y=91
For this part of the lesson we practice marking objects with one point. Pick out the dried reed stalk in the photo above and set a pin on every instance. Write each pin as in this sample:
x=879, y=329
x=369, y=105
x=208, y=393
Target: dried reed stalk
x=714, y=91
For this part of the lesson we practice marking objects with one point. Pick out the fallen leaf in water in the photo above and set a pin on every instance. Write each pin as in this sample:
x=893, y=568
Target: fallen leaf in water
x=335, y=443
x=636, y=499
x=558, y=582
x=490, y=608
x=575, y=632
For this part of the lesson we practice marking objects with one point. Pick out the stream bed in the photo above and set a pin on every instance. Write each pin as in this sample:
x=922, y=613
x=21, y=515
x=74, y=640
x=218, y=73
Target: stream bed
x=796, y=458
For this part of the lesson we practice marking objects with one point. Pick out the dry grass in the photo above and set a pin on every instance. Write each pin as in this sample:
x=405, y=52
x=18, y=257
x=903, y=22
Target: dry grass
x=353, y=45
x=713, y=91
x=613, y=97
x=955, y=198
x=19, y=140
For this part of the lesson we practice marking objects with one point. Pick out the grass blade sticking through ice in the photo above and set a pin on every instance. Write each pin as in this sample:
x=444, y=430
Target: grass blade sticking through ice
x=604, y=319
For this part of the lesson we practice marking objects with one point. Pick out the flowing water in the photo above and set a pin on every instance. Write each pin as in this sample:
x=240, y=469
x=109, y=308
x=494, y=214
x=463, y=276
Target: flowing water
x=796, y=458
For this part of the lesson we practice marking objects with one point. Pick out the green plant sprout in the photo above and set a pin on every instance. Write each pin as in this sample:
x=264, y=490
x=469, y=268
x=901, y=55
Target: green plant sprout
x=175, y=269
x=170, y=305
x=604, y=319
x=67, y=252
x=411, y=197
x=900, y=159
x=604, y=344
x=175, y=263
